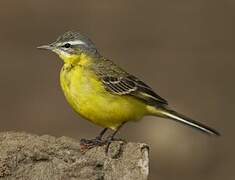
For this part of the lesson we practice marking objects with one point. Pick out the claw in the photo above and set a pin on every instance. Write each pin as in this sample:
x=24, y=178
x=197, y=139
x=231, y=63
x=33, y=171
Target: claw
x=110, y=140
x=87, y=144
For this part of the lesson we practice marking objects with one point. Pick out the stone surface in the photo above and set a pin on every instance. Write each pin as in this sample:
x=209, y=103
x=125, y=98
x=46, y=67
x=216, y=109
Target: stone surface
x=26, y=156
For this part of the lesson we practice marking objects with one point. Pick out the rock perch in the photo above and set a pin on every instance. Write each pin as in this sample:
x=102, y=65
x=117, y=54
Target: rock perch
x=32, y=157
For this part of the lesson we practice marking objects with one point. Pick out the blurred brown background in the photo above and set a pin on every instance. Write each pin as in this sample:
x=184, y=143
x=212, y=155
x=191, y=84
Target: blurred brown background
x=183, y=49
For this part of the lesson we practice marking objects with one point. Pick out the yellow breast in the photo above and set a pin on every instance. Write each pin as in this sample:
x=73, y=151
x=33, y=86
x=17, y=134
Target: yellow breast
x=87, y=95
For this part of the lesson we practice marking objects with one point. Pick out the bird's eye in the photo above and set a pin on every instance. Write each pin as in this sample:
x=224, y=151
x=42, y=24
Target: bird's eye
x=67, y=45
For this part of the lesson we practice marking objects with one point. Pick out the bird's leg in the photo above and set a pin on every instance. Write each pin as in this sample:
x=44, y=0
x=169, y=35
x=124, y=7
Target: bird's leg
x=90, y=143
x=111, y=138
x=99, y=137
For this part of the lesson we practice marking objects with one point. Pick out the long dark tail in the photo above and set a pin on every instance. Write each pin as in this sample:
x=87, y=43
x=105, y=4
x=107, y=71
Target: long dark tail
x=171, y=114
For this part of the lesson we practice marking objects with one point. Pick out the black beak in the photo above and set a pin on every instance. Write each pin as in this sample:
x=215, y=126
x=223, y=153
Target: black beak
x=46, y=47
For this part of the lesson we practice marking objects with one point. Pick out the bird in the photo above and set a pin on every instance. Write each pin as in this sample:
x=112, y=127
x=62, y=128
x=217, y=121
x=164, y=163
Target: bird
x=104, y=93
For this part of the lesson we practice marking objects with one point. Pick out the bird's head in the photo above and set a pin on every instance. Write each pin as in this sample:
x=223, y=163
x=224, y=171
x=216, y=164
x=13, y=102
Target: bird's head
x=71, y=46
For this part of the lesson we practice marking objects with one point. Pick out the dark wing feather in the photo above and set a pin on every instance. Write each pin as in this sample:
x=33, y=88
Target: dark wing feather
x=130, y=85
x=119, y=85
x=117, y=81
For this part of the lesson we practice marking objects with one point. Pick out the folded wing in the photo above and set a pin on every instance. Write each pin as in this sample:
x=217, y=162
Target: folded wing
x=130, y=85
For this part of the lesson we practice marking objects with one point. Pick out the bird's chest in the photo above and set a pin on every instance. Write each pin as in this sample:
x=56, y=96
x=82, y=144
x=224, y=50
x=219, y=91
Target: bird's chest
x=80, y=86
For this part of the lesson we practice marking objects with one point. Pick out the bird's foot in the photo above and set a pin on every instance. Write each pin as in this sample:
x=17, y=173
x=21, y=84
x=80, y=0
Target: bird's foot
x=110, y=140
x=87, y=144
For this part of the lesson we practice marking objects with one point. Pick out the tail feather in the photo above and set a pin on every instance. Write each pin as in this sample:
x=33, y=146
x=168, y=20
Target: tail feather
x=188, y=121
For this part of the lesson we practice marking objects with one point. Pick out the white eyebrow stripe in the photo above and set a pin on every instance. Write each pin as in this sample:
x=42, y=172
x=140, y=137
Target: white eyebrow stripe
x=76, y=42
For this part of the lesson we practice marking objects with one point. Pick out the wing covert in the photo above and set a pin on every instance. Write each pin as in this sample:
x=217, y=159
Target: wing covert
x=130, y=85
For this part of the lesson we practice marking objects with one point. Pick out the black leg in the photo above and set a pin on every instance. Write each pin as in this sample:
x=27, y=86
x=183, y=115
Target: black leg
x=90, y=143
x=111, y=138
x=101, y=134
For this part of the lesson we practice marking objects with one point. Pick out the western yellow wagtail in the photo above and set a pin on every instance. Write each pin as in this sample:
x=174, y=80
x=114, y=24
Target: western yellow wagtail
x=105, y=94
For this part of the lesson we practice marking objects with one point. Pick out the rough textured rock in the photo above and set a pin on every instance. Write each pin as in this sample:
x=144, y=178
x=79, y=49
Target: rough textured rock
x=26, y=156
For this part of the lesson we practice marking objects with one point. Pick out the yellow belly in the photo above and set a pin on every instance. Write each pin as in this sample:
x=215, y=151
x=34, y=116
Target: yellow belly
x=88, y=97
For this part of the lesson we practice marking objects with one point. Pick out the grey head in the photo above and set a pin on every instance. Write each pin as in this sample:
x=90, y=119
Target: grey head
x=72, y=43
